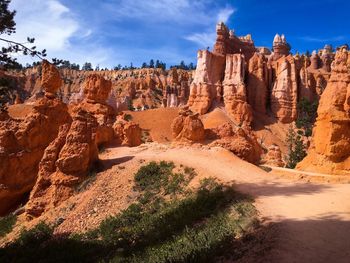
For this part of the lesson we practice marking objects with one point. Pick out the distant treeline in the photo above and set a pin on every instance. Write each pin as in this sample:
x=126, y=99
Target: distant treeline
x=88, y=66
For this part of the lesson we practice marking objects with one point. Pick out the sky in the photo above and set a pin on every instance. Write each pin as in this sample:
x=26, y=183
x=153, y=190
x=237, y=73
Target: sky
x=112, y=32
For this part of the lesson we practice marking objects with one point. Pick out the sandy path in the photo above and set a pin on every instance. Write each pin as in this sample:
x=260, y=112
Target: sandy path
x=313, y=219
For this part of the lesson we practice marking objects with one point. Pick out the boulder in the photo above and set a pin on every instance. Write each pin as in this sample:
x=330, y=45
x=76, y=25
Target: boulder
x=240, y=141
x=188, y=127
x=274, y=156
x=126, y=132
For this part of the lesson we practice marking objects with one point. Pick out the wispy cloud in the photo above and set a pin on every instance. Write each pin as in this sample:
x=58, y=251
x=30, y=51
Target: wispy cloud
x=56, y=29
x=207, y=38
x=119, y=31
x=225, y=14
x=203, y=40
x=321, y=40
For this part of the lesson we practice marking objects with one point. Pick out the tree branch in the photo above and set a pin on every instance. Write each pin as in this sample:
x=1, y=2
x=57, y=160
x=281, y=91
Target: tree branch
x=32, y=52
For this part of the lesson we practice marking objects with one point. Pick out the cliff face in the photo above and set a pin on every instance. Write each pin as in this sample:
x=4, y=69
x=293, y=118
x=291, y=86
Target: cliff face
x=330, y=149
x=235, y=93
x=206, y=88
x=262, y=82
x=284, y=92
x=139, y=88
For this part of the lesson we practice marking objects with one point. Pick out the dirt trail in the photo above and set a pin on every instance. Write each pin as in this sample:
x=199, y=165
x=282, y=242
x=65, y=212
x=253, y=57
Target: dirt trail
x=312, y=219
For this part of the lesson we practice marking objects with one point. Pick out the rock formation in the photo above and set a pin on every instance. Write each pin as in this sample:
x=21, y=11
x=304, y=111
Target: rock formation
x=257, y=83
x=274, y=156
x=65, y=163
x=126, y=132
x=284, y=92
x=96, y=90
x=241, y=142
x=51, y=80
x=130, y=85
x=22, y=143
x=207, y=80
x=188, y=127
x=330, y=149
x=235, y=94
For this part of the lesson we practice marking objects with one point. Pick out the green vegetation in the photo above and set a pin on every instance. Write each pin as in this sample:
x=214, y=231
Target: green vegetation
x=307, y=114
x=170, y=222
x=296, y=148
x=6, y=224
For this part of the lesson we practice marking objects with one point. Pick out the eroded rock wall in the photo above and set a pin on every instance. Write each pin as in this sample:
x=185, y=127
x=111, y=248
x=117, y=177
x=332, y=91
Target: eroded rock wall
x=330, y=149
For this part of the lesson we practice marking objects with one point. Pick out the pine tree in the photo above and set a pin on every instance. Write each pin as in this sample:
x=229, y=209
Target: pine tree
x=296, y=148
x=151, y=63
x=8, y=27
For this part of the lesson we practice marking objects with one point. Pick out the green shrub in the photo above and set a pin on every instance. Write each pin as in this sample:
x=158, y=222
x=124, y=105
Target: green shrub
x=6, y=224
x=167, y=227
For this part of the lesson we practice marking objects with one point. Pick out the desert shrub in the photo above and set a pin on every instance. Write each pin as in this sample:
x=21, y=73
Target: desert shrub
x=128, y=117
x=167, y=227
x=6, y=224
x=152, y=176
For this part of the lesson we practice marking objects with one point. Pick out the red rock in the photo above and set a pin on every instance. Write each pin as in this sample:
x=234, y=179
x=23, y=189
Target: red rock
x=50, y=80
x=22, y=145
x=241, y=142
x=208, y=76
x=257, y=83
x=97, y=89
x=127, y=132
x=284, y=92
x=65, y=163
x=330, y=148
x=274, y=156
x=188, y=127
x=235, y=94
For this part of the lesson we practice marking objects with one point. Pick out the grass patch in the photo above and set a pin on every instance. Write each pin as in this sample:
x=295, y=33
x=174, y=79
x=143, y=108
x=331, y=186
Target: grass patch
x=168, y=223
x=6, y=224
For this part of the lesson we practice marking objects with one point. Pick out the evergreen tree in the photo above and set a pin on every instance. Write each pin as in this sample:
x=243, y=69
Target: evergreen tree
x=307, y=114
x=144, y=65
x=87, y=66
x=296, y=148
x=8, y=27
x=151, y=63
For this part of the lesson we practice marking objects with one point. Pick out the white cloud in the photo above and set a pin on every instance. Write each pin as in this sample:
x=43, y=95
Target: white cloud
x=225, y=14
x=203, y=40
x=207, y=38
x=49, y=22
x=317, y=39
x=54, y=27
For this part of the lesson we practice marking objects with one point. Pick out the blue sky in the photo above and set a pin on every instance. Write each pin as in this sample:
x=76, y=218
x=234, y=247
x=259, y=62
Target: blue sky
x=111, y=32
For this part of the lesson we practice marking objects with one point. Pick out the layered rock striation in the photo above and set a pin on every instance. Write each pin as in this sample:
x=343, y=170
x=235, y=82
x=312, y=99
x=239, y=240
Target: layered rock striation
x=330, y=148
x=247, y=80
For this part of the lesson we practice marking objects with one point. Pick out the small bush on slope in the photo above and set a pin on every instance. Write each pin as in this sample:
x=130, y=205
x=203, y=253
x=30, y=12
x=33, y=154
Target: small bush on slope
x=6, y=224
x=167, y=226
